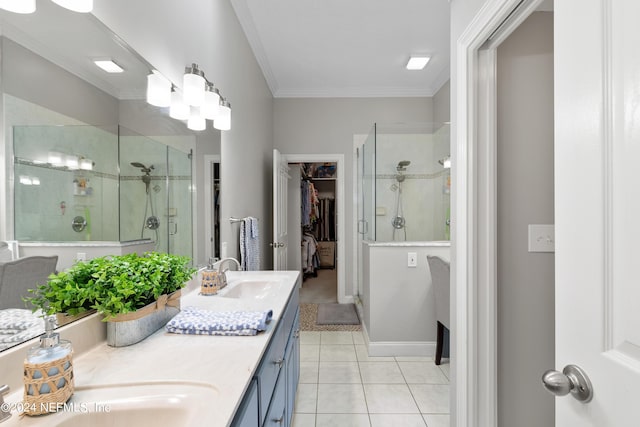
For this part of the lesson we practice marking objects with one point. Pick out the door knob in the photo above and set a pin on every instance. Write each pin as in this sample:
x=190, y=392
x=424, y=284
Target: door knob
x=572, y=380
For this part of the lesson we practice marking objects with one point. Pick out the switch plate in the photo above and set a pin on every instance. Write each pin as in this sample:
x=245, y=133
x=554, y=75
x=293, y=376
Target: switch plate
x=412, y=259
x=542, y=238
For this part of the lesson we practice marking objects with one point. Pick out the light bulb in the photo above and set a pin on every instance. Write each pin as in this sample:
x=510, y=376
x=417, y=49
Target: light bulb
x=158, y=90
x=72, y=162
x=193, y=85
x=55, y=158
x=223, y=121
x=86, y=164
x=211, y=107
x=178, y=110
x=196, y=121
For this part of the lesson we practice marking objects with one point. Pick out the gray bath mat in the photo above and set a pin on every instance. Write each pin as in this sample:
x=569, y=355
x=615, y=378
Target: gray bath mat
x=337, y=314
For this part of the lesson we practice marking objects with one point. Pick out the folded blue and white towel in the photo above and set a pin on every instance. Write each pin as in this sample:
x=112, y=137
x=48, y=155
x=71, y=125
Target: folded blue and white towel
x=198, y=321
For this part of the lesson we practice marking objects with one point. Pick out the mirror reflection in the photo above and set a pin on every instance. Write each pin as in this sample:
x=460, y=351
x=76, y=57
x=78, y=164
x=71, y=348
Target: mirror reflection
x=91, y=168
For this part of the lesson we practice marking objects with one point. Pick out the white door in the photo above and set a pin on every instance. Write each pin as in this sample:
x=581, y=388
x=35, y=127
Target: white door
x=597, y=199
x=280, y=184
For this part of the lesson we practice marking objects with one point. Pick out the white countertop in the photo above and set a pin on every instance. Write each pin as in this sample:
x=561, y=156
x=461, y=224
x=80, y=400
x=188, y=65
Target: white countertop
x=226, y=362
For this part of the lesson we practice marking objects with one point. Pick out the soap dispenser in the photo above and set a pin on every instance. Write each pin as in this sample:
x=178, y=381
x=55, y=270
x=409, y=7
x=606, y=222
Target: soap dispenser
x=210, y=284
x=48, y=373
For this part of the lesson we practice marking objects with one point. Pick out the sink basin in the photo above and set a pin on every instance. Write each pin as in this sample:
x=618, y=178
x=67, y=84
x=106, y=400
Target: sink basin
x=153, y=404
x=251, y=289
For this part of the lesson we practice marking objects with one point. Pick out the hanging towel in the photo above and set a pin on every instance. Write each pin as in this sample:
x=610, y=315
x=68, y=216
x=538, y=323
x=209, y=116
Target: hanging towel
x=249, y=244
x=198, y=321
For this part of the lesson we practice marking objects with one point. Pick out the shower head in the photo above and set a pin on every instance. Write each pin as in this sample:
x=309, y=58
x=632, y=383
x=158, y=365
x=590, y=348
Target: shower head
x=402, y=165
x=142, y=167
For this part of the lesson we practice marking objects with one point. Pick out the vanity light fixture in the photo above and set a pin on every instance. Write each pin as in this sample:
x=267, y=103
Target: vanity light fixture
x=158, y=89
x=83, y=6
x=223, y=121
x=178, y=109
x=211, y=107
x=198, y=101
x=108, y=65
x=417, y=62
x=18, y=6
x=193, y=84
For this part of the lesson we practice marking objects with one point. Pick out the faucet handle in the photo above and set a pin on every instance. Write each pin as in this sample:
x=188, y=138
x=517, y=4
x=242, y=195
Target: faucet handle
x=5, y=413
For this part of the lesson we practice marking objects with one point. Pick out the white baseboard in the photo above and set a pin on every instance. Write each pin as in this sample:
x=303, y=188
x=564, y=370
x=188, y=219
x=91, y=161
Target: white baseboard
x=398, y=348
x=347, y=299
x=386, y=348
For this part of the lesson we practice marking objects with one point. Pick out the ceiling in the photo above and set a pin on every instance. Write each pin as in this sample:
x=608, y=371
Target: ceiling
x=305, y=48
x=347, y=48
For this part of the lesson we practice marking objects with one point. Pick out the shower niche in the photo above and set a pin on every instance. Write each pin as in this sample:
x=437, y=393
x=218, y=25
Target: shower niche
x=100, y=184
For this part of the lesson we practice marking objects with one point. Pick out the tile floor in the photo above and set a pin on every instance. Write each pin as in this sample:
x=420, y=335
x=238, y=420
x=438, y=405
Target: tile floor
x=341, y=386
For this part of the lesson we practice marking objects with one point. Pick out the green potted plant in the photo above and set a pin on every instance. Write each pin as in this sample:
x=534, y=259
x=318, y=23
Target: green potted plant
x=137, y=294
x=69, y=294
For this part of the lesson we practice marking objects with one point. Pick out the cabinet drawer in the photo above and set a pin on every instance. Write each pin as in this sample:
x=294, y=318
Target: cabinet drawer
x=276, y=416
x=269, y=369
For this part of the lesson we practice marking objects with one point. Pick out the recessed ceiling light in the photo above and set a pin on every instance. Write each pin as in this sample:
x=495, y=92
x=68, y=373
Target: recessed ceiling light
x=108, y=65
x=417, y=62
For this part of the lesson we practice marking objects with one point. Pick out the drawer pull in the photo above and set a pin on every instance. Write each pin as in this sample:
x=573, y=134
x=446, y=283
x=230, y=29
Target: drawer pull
x=279, y=420
x=279, y=362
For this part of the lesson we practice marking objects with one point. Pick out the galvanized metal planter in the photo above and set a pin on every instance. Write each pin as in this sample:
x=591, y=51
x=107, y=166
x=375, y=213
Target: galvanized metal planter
x=130, y=328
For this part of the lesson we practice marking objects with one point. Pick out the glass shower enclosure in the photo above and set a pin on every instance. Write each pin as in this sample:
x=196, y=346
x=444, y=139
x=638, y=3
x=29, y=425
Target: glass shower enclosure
x=92, y=183
x=405, y=183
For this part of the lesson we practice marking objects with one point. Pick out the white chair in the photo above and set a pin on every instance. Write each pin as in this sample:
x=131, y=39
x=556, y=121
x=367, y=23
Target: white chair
x=440, y=278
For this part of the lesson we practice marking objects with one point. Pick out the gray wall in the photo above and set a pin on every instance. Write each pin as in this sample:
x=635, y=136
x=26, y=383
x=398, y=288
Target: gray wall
x=327, y=125
x=32, y=78
x=525, y=196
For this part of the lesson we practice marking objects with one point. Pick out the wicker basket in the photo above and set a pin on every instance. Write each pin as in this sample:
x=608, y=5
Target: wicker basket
x=37, y=402
x=211, y=282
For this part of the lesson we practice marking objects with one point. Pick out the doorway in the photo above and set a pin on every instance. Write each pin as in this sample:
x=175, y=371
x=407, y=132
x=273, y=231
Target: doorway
x=478, y=395
x=336, y=253
x=318, y=230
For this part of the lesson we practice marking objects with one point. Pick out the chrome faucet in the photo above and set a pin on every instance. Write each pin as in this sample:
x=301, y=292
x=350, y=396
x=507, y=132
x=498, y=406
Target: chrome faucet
x=5, y=411
x=222, y=272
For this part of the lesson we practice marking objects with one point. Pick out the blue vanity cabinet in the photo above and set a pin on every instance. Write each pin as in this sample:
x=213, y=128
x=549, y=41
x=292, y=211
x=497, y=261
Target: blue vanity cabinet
x=276, y=378
x=247, y=414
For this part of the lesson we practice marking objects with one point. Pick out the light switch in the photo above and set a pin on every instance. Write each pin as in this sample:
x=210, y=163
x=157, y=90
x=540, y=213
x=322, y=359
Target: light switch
x=541, y=238
x=412, y=259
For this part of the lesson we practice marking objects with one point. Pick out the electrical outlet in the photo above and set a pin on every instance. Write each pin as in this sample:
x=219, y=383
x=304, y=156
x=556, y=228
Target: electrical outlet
x=412, y=259
x=81, y=256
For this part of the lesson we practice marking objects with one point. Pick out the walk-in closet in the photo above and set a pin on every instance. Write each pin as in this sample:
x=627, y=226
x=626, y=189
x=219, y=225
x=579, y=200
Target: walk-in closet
x=318, y=227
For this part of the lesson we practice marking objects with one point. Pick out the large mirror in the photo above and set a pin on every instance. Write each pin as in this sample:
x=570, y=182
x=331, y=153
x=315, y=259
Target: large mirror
x=57, y=102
